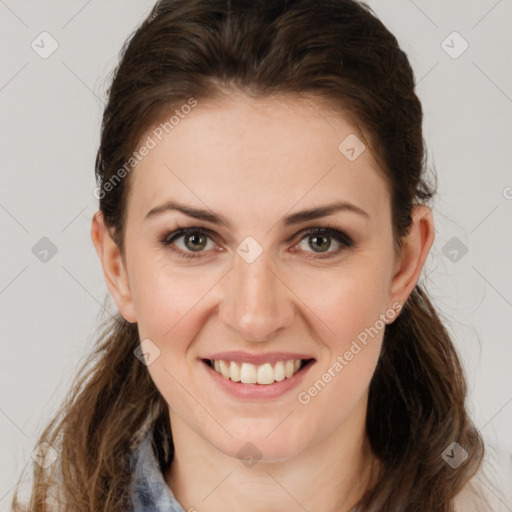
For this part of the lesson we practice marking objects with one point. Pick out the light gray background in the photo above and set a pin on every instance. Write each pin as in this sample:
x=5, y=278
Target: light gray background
x=50, y=122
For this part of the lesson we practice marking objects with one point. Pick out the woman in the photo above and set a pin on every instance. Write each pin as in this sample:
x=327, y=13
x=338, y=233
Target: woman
x=263, y=225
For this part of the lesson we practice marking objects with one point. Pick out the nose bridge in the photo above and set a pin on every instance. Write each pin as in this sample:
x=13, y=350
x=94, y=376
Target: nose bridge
x=255, y=302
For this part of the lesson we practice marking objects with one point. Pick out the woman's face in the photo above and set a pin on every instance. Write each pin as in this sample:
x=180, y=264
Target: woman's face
x=249, y=284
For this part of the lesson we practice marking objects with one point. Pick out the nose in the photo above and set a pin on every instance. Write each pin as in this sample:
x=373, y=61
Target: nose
x=256, y=301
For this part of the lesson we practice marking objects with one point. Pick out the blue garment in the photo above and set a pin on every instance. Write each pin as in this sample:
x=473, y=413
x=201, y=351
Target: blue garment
x=150, y=492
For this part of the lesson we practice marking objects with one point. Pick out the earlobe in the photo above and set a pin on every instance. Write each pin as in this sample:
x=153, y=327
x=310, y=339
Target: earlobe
x=415, y=249
x=114, y=270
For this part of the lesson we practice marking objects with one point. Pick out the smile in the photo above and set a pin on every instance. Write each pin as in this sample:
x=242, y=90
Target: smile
x=265, y=374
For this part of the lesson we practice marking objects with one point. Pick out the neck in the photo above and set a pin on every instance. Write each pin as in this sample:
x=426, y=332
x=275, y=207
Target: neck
x=331, y=475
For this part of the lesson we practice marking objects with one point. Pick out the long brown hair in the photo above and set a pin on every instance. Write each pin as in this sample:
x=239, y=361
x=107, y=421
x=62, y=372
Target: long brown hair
x=338, y=51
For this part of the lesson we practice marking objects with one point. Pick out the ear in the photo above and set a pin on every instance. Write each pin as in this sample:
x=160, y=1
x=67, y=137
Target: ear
x=415, y=248
x=113, y=265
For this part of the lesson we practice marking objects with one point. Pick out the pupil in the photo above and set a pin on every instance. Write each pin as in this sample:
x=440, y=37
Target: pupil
x=326, y=245
x=194, y=238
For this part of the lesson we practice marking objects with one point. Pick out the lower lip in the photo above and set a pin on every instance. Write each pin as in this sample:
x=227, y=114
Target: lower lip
x=257, y=391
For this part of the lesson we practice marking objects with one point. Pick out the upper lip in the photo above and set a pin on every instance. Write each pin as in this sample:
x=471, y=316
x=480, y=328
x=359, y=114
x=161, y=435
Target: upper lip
x=257, y=359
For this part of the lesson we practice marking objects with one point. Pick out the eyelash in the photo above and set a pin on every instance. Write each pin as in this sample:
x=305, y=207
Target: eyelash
x=329, y=231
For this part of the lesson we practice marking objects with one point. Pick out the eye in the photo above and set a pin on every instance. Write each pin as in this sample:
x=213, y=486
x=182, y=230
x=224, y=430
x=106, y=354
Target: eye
x=195, y=240
x=320, y=240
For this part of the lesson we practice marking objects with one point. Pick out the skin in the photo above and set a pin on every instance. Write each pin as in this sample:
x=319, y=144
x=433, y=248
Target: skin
x=255, y=161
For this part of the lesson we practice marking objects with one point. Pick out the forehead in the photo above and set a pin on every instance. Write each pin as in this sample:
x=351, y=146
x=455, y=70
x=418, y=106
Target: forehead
x=245, y=156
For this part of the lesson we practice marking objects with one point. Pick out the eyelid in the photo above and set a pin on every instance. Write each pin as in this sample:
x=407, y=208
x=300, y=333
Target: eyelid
x=169, y=238
x=331, y=231
x=180, y=231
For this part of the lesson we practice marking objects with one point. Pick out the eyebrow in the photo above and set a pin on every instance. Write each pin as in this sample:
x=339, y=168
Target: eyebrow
x=289, y=220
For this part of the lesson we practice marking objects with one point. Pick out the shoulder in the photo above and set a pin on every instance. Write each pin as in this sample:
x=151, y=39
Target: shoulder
x=469, y=500
x=478, y=495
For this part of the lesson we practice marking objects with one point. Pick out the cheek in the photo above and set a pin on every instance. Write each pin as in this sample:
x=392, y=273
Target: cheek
x=350, y=309
x=345, y=305
x=167, y=299
x=341, y=379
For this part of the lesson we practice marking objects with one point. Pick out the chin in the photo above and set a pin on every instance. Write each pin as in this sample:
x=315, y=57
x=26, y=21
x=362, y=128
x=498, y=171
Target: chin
x=263, y=445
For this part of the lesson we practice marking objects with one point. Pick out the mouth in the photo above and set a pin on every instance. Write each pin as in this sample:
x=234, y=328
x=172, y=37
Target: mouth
x=264, y=374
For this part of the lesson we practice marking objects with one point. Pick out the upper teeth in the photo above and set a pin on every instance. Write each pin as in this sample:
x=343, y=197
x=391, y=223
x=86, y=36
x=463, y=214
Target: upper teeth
x=262, y=374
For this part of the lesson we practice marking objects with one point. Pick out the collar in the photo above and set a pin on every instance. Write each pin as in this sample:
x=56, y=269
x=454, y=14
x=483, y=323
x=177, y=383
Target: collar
x=150, y=492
